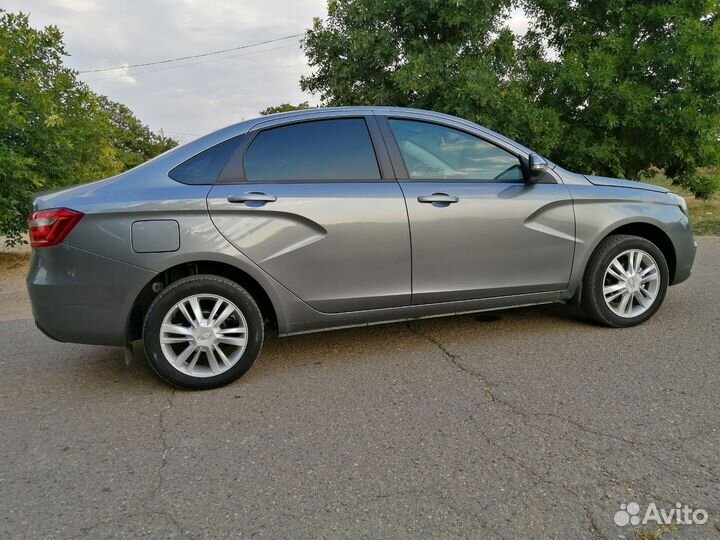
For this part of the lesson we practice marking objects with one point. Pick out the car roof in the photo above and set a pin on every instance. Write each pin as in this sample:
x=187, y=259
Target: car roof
x=180, y=153
x=364, y=109
x=382, y=110
x=360, y=109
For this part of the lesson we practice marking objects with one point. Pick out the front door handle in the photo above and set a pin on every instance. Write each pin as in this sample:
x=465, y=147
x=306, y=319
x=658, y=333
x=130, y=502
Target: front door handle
x=252, y=196
x=438, y=198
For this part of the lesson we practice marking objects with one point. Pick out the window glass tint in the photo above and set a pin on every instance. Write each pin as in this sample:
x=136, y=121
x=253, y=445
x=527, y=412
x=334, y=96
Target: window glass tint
x=434, y=152
x=320, y=150
x=205, y=167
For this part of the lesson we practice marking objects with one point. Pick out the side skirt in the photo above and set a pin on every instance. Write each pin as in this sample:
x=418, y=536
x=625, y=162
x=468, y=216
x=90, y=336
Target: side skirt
x=394, y=315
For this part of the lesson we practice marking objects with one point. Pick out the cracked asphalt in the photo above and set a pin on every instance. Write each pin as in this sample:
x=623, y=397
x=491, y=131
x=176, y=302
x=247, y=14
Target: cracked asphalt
x=529, y=423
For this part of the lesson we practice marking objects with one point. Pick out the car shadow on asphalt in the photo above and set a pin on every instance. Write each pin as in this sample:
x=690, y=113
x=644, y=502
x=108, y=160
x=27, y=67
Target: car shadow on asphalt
x=88, y=369
x=374, y=343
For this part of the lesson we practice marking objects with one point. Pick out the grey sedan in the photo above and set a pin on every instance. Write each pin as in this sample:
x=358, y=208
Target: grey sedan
x=329, y=218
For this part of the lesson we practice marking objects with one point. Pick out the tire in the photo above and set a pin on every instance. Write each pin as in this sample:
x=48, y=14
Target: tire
x=218, y=354
x=645, y=298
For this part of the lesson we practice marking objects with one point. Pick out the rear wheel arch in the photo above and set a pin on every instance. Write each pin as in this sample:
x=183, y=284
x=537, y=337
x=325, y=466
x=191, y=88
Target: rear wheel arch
x=170, y=275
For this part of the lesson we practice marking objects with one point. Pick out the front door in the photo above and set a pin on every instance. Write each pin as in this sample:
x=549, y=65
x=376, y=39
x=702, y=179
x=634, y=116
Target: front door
x=316, y=214
x=478, y=229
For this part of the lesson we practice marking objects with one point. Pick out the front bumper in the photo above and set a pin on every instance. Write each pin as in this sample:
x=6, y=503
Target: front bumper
x=81, y=297
x=685, y=247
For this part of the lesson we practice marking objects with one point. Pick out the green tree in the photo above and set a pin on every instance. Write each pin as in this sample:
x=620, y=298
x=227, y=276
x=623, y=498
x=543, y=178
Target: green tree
x=635, y=84
x=285, y=107
x=54, y=131
x=51, y=127
x=457, y=57
x=608, y=87
x=132, y=141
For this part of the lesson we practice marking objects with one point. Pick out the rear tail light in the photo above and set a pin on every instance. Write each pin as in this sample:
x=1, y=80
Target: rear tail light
x=50, y=227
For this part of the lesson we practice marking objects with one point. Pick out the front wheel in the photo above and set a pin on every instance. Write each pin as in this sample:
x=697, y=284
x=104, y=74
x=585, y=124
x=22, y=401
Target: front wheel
x=625, y=281
x=202, y=331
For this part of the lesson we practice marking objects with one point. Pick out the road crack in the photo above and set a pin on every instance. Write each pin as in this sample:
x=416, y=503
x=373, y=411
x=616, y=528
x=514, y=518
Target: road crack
x=163, y=436
x=526, y=417
x=165, y=448
x=592, y=526
x=457, y=361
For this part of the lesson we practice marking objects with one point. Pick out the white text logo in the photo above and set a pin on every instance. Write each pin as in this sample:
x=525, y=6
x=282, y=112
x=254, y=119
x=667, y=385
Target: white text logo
x=681, y=514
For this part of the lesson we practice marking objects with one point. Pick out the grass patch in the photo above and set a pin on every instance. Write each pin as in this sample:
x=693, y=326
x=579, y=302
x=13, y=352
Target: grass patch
x=656, y=534
x=704, y=215
x=13, y=261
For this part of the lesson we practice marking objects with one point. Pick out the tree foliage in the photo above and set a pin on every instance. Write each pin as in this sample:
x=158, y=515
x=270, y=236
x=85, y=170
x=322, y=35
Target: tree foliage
x=611, y=87
x=54, y=131
x=635, y=83
x=455, y=57
x=285, y=107
x=132, y=141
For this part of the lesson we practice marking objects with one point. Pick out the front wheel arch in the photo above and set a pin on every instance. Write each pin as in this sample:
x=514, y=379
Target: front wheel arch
x=649, y=232
x=594, y=302
x=652, y=234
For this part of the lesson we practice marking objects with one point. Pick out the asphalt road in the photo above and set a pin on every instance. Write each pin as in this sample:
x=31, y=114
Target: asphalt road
x=518, y=424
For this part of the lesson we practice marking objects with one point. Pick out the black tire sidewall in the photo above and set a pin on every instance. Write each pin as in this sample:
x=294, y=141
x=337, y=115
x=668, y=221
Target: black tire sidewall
x=183, y=288
x=593, y=299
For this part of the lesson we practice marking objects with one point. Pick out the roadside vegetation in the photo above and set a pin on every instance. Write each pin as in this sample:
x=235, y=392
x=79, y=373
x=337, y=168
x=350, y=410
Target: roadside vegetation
x=54, y=131
x=617, y=89
x=620, y=91
x=285, y=107
x=704, y=213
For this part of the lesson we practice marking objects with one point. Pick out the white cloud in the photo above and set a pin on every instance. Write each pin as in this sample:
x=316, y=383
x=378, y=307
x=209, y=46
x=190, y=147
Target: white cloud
x=123, y=75
x=76, y=5
x=214, y=91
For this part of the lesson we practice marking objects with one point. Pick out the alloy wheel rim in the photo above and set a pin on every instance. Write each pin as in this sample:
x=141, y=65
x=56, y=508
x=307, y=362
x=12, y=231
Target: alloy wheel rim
x=203, y=335
x=631, y=283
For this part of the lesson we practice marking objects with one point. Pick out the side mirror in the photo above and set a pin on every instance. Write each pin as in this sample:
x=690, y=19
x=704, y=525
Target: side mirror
x=538, y=165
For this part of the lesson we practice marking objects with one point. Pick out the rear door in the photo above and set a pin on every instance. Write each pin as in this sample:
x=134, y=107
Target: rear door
x=314, y=204
x=478, y=228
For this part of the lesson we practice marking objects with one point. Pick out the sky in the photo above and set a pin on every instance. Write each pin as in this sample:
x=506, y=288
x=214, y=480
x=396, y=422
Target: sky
x=214, y=91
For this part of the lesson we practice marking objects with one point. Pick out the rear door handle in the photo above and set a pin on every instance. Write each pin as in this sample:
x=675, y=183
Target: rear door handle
x=442, y=198
x=252, y=196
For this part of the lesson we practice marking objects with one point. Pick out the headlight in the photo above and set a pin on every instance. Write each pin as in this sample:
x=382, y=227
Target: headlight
x=677, y=199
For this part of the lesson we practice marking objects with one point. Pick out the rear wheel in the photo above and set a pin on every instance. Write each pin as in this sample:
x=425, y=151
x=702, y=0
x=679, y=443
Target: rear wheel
x=625, y=281
x=202, y=331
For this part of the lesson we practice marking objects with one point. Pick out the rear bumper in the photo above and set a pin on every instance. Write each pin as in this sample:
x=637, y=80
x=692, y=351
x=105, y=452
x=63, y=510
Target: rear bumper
x=81, y=297
x=685, y=247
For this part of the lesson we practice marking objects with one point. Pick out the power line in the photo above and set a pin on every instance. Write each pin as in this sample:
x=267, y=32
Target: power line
x=211, y=53
x=190, y=64
x=180, y=132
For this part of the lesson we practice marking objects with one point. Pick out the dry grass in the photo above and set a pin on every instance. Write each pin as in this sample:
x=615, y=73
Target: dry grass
x=14, y=302
x=704, y=215
x=654, y=534
x=13, y=262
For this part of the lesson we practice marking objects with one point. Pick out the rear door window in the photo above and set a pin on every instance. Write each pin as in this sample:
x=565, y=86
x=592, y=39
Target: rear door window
x=324, y=150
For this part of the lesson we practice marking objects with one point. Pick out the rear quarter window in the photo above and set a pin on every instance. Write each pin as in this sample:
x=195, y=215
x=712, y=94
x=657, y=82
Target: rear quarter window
x=205, y=167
